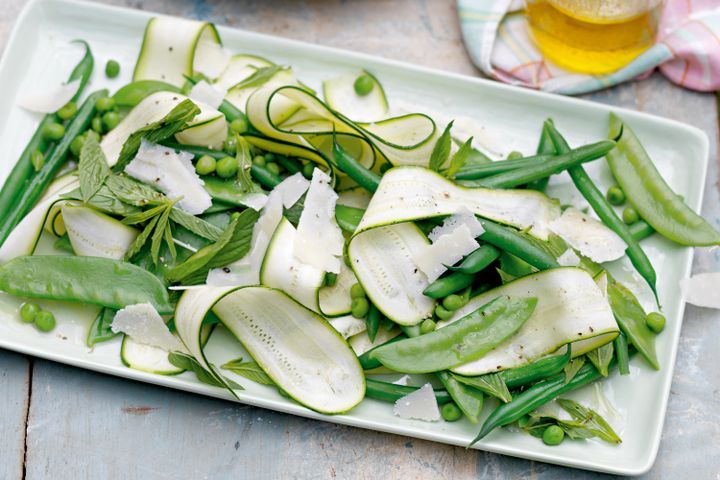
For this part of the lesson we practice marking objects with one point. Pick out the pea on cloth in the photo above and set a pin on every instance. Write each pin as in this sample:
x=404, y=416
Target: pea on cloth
x=687, y=50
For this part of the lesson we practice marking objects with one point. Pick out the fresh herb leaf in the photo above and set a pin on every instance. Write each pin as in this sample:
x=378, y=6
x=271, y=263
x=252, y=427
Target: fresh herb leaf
x=143, y=216
x=492, y=384
x=244, y=159
x=92, y=167
x=141, y=239
x=572, y=368
x=169, y=241
x=293, y=213
x=590, y=419
x=159, y=234
x=169, y=125
x=63, y=243
x=441, y=150
x=133, y=192
x=196, y=225
x=250, y=370
x=459, y=159
x=100, y=330
x=601, y=357
x=259, y=77
x=103, y=200
x=187, y=362
x=239, y=244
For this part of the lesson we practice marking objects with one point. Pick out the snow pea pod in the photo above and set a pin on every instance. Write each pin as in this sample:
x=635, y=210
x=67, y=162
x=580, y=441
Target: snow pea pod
x=90, y=280
x=33, y=189
x=537, y=396
x=467, y=398
x=650, y=195
x=605, y=211
x=444, y=286
x=390, y=392
x=630, y=318
x=478, y=260
x=621, y=354
x=368, y=361
x=537, y=370
x=465, y=340
x=23, y=170
x=134, y=92
x=512, y=242
x=556, y=164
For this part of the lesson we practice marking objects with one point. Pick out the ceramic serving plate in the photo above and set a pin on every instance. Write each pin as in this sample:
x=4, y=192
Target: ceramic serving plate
x=39, y=54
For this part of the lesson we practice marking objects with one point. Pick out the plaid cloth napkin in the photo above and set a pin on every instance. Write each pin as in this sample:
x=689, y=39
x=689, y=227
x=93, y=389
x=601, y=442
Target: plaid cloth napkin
x=687, y=50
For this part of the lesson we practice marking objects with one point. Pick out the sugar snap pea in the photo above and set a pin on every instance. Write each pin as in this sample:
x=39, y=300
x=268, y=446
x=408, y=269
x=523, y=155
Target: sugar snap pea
x=367, y=179
x=478, y=260
x=468, y=399
x=621, y=354
x=537, y=370
x=90, y=280
x=605, y=211
x=544, y=169
x=444, y=286
x=631, y=317
x=348, y=218
x=23, y=169
x=391, y=392
x=34, y=188
x=462, y=341
x=511, y=241
x=650, y=195
x=373, y=321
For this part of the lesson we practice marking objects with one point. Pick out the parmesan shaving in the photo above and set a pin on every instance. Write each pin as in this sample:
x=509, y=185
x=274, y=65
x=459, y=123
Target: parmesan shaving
x=292, y=188
x=433, y=259
x=49, y=100
x=418, y=405
x=143, y=324
x=207, y=94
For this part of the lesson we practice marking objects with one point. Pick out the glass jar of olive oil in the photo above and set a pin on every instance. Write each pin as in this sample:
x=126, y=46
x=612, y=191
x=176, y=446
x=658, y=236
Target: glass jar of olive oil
x=593, y=36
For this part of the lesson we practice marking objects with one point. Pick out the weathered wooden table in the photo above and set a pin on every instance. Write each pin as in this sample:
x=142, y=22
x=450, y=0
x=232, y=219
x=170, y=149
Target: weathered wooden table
x=65, y=423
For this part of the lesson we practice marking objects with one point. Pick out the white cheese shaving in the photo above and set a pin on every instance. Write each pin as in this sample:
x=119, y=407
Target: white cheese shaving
x=589, y=236
x=319, y=240
x=145, y=325
x=49, y=100
x=433, y=259
x=462, y=217
x=569, y=258
x=207, y=94
x=172, y=173
x=347, y=325
x=419, y=405
x=292, y=188
x=256, y=201
x=404, y=381
x=246, y=271
x=702, y=289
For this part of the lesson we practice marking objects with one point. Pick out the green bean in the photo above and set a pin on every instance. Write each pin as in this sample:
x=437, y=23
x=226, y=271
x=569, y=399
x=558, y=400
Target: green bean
x=135, y=92
x=444, y=286
x=462, y=341
x=483, y=170
x=373, y=322
x=32, y=190
x=606, y=213
x=512, y=242
x=641, y=230
x=391, y=392
x=535, y=397
x=233, y=113
x=348, y=218
x=90, y=280
x=552, y=166
x=468, y=400
x=23, y=169
x=478, y=260
x=545, y=145
x=621, y=354
x=650, y=195
x=537, y=370
x=291, y=166
x=365, y=178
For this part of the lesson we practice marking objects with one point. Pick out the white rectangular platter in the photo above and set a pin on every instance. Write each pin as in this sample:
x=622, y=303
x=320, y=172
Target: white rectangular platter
x=39, y=54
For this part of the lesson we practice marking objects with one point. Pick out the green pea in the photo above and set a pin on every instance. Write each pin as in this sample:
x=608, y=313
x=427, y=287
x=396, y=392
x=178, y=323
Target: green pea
x=77, y=144
x=514, y=154
x=45, y=321
x=553, y=435
x=655, y=321
x=357, y=291
x=630, y=216
x=230, y=145
x=104, y=104
x=442, y=313
x=37, y=159
x=450, y=412
x=97, y=125
x=53, y=131
x=359, y=307
x=330, y=279
x=259, y=160
x=524, y=421
x=615, y=195
x=239, y=125
x=273, y=167
x=110, y=120
x=308, y=170
x=205, y=165
x=68, y=111
x=453, y=302
x=28, y=312
x=112, y=69
x=385, y=167
x=427, y=326
x=269, y=156
x=226, y=167
x=363, y=85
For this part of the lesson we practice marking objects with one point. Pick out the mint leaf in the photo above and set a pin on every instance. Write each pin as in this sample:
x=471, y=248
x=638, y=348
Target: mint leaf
x=259, y=77
x=441, y=150
x=460, y=158
x=572, y=368
x=492, y=384
x=250, y=370
x=92, y=168
x=590, y=419
x=196, y=225
x=601, y=357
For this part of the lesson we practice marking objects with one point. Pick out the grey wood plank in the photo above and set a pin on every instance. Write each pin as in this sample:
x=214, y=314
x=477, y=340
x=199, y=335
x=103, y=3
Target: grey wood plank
x=14, y=402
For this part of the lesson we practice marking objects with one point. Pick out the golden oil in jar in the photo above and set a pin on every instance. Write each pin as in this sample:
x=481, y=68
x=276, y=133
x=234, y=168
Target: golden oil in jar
x=593, y=36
